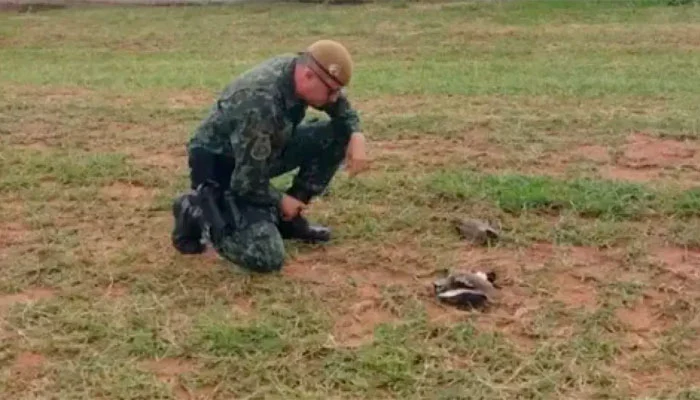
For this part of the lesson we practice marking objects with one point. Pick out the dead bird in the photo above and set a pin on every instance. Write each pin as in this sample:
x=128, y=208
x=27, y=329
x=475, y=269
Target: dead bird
x=476, y=231
x=467, y=290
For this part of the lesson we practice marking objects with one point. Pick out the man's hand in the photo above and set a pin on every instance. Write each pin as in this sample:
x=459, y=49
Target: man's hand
x=291, y=207
x=356, y=157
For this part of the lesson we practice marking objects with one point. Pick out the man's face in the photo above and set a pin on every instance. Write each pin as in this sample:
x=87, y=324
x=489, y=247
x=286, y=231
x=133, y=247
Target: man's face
x=322, y=89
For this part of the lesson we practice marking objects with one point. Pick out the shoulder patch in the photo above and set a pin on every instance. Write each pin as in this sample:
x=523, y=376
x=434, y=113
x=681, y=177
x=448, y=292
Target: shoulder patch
x=261, y=148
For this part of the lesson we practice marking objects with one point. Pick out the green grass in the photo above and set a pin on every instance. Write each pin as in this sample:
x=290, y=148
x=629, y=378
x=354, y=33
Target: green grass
x=585, y=197
x=518, y=112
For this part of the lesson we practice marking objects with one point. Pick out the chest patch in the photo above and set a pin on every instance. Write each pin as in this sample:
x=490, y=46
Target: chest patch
x=261, y=148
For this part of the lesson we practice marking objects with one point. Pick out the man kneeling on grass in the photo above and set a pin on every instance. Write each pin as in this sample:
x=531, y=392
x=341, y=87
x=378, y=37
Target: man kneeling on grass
x=254, y=132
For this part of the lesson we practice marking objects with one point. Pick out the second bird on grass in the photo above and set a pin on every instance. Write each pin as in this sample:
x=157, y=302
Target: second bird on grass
x=467, y=290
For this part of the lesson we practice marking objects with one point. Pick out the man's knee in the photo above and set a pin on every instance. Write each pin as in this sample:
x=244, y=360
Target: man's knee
x=258, y=247
x=328, y=141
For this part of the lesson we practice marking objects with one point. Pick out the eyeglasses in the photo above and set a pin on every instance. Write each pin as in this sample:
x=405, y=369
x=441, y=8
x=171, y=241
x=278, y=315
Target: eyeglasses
x=316, y=67
x=331, y=91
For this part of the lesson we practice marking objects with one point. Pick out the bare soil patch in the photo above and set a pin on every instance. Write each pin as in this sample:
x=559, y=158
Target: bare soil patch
x=574, y=292
x=436, y=152
x=682, y=263
x=122, y=192
x=36, y=135
x=26, y=296
x=346, y=266
x=622, y=173
x=25, y=375
x=172, y=159
x=115, y=291
x=645, y=158
x=13, y=232
x=28, y=365
x=398, y=105
x=356, y=324
x=646, y=151
x=641, y=318
x=169, y=370
x=355, y=288
x=594, y=152
x=190, y=99
x=642, y=383
x=530, y=278
x=54, y=94
x=507, y=262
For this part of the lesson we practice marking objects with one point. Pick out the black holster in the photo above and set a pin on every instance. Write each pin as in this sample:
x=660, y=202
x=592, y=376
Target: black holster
x=209, y=197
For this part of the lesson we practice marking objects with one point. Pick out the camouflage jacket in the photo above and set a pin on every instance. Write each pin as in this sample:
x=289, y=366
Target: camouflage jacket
x=254, y=117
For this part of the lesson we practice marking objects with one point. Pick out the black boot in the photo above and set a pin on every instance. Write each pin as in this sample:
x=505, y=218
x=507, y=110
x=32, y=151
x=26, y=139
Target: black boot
x=300, y=229
x=187, y=232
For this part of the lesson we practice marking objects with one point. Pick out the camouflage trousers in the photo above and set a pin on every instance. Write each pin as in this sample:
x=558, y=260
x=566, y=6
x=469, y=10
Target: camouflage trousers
x=255, y=241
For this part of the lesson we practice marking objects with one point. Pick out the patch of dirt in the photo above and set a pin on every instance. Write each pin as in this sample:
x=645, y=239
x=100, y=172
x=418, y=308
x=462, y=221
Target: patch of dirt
x=13, y=233
x=172, y=160
x=25, y=376
x=115, y=291
x=54, y=94
x=190, y=99
x=343, y=266
x=435, y=152
x=244, y=305
x=622, y=173
x=574, y=292
x=391, y=105
x=203, y=393
x=641, y=159
x=681, y=263
x=63, y=95
x=168, y=370
x=639, y=368
x=643, y=383
x=349, y=284
x=29, y=360
x=38, y=136
x=512, y=315
x=356, y=283
x=640, y=319
x=556, y=271
x=505, y=261
x=646, y=158
x=28, y=365
x=594, y=152
x=356, y=324
x=29, y=295
x=122, y=192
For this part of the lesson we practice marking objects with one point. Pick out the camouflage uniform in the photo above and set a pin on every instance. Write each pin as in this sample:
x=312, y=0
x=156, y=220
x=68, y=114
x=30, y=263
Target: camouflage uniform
x=254, y=132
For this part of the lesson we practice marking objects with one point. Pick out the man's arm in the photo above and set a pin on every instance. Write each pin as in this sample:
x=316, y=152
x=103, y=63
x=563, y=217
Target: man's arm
x=256, y=124
x=346, y=122
x=343, y=117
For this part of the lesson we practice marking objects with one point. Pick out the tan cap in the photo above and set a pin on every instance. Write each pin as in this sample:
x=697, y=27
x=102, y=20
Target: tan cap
x=333, y=58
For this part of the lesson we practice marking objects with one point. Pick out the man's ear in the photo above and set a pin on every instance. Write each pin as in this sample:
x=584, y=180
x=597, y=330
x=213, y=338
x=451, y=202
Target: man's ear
x=308, y=73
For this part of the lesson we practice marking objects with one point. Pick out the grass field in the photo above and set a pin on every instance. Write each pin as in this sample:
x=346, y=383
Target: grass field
x=574, y=125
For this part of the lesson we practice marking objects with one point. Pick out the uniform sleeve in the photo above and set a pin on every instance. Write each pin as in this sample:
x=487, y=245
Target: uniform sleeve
x=343, y=117
x=256, y=123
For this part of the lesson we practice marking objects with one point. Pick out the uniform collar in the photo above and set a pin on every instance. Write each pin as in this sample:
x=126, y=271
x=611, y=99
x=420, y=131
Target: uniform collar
x=291, y=100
